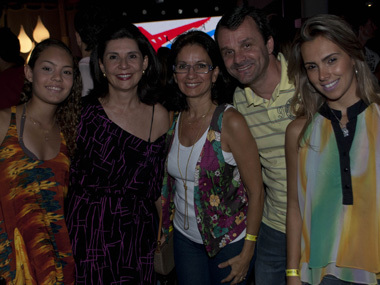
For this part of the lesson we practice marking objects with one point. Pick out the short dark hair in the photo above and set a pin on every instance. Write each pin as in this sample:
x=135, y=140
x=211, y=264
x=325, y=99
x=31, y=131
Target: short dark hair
x=121, y=28
x=235, y=17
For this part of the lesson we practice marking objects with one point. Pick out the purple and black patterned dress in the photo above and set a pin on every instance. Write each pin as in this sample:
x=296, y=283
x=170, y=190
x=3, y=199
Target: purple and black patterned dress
x=112, y=220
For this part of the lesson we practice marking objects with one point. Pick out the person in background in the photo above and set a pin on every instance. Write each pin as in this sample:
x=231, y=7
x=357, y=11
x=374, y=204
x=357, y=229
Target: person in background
x=213, y=185
x=165, y=94
x=263, y=97
x=365, y=26
x=37, y=141
x=11, y=69
x=333, y=158
x=89, y=21
x=366, y=31
x=283, y=33
x=117, y=174
x=163, y=55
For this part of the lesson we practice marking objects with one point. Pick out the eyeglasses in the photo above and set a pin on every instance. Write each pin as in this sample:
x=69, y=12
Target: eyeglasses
x=199, y=68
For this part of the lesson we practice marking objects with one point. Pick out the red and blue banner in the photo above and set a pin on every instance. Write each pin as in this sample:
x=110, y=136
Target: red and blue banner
x=162, y=33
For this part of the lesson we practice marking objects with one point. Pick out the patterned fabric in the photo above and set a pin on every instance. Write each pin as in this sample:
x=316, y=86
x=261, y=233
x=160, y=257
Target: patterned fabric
x=338, y=239
x=372, y=58
x=267, y=120
x=112, y=220
x=34, y=242
x=220, y=199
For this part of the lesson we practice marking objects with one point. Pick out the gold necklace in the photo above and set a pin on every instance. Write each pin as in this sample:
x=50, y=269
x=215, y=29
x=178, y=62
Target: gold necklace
x=184, y=180
x=196, y=120
x=46, y=132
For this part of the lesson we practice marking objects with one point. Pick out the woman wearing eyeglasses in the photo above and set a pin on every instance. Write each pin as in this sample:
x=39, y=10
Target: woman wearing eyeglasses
x=213, y=190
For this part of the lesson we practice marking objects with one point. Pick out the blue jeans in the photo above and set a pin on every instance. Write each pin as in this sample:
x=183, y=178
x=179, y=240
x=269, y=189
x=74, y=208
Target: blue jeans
x=332, y=280
x=195, y=267
x=270, y=263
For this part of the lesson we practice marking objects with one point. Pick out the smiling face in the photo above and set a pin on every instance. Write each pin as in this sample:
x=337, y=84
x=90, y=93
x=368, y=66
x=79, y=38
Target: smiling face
x=244, y=52
x=191, y=83
x=52, y=76
x=331, y=71
x=123, y=64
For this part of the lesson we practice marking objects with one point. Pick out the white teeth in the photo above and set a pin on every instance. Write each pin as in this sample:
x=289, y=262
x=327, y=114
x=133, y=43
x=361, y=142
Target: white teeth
x=54, y=88
x=331, y=84
x=191, y=84
x=124, y=76
x=243, y=68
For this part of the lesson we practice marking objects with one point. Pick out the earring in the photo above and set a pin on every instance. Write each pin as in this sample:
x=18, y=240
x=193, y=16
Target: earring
x=104, y=74
x=143, y=72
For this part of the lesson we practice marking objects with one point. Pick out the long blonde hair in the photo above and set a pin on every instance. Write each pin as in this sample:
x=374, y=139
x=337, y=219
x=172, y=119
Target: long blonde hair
x=307, y=100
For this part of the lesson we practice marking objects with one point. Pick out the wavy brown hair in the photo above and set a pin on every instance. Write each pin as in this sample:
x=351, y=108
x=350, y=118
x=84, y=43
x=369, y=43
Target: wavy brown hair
x=68, y=112
x=307, y=100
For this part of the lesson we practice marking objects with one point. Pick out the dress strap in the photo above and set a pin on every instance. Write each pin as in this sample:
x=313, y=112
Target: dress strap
x=13, y=115
x=21, y=137
x=151, y=125
x=22, y=124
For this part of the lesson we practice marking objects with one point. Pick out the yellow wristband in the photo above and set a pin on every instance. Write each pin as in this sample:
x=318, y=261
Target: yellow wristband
x=292, y=272
x=250, y=237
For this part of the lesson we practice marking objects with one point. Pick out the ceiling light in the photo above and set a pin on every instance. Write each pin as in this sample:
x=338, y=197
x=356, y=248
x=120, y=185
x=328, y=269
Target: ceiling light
x=40, y=32
x=25, y=42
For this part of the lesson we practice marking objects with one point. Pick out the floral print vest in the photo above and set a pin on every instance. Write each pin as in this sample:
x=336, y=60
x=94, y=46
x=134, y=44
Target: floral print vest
x=221, y=201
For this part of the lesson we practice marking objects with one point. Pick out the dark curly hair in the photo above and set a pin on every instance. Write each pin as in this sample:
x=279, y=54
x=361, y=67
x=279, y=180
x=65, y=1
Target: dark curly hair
x=219, y=91
x=68, y=112
x=149, y=83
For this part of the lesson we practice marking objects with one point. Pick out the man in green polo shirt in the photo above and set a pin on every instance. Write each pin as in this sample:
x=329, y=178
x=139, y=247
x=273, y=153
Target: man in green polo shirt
x=263, y=97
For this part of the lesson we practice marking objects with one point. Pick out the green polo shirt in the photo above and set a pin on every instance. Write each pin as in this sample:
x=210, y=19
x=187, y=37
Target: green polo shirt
x=267, y=120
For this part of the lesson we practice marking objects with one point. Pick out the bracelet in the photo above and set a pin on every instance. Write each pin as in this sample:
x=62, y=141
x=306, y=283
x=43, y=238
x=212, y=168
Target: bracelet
x=292, y=272
x=250, y=237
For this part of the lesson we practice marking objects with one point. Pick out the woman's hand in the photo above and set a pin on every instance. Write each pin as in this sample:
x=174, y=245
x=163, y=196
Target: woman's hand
x=237, y=138
x=239, y=268
x=163, y=238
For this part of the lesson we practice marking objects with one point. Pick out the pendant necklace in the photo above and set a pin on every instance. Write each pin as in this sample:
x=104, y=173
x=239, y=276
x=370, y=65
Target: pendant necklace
x=344, y=129
x=46, y=132
x=196, y=120
x=184, y=179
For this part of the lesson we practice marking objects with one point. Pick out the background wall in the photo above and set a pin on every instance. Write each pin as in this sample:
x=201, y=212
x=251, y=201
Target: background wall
x=58, y=15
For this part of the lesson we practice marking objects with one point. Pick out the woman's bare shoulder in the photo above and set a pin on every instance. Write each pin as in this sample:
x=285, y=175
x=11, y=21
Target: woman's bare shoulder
x=295, y=127
x=161, y=117
x=161, y=110
x=5, y=118
x=233, y=119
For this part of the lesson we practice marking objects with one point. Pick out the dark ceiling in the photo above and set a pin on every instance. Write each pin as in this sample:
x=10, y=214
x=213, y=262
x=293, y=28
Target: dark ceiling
x=139, y=10
x=154, y=10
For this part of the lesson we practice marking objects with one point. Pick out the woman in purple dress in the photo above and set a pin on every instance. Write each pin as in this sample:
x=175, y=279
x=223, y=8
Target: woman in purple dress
x=114, y=199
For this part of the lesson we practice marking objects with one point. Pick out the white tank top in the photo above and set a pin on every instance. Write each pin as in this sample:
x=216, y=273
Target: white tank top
x=179, y=198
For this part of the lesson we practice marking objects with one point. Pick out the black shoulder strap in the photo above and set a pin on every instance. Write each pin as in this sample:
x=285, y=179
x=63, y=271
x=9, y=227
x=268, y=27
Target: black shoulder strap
x=151, y=125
